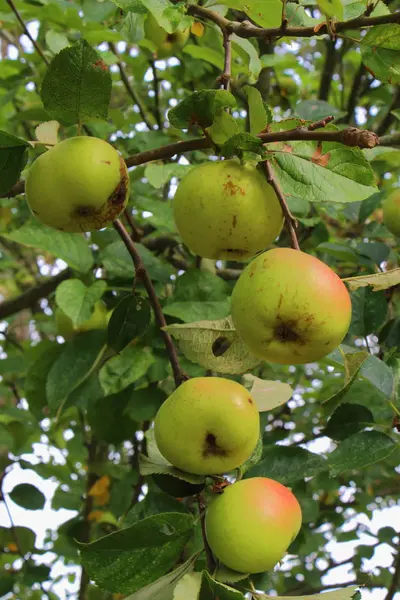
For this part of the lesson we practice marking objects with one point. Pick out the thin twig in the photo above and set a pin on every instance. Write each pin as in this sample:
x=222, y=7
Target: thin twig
x=143, y=275
x=136, y=232
x=245, y=29
x=289, y=220
x=156, y=85
x=202, y=513
x=131, y=91
x=26, y=32
x=225, y=77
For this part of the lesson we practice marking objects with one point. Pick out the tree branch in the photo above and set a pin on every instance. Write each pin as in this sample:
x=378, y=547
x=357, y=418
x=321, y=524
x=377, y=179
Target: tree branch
x=328, y=70
x=131, y=91
x=351, y=136
x=389, y=118
x=29, y=298
x=245, y=29
x=395, y=585
x=392, y=139
x=26, y=32
x=225, y=77
x=143, y=275
x=156, y=85
x=289, y=220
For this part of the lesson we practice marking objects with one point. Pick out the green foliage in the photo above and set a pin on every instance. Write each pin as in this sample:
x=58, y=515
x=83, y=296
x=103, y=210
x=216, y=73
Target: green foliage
x=329, y=430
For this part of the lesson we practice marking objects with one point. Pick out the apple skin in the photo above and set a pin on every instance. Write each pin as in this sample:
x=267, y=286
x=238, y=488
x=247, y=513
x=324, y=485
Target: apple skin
x=98, y=320
x=81, y=184
x=225, y=210
x=208, y=425
x=391, y=213
x=290, y=308
x=167, y=44
x=250, y=526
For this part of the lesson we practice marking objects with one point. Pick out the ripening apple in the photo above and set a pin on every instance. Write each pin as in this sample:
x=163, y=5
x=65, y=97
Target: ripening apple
x=290, y=308
x=391, y=212
x=252, y=523
x=226, y=210
x=98, y=320
x=81, y=184
x=167, y=44
x=208, y=425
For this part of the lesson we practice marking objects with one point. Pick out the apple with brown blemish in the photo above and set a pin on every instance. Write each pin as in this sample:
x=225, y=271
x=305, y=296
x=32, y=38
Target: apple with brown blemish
x=81, y=184
x=226, y=210
x=391, y=212
x=290, y=308
x=208, y=425
x=252, y=523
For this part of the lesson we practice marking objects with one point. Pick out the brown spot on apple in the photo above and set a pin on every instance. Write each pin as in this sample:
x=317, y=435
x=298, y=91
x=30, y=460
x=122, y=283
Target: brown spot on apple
x=233, y=189
x=211, y=447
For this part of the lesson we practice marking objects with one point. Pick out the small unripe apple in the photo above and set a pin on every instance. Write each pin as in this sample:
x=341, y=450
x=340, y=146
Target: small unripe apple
x=252, y=523
x=391, y=212
x=167, y=44
x=290, y=308
x=226, y=210
x=81, y=184
x=97, y=320
x=208, y=425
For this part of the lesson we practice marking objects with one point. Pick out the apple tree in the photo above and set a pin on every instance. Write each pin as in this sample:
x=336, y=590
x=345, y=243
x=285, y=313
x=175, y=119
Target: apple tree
x=200, y=299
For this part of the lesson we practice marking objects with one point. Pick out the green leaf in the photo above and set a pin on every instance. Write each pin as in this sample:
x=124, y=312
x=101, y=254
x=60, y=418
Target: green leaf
x=134, y=557
x=26, y=538
x=163, y=588
x=77, y=300
x=348, y=593
x=188, y=587
x=107, y=418
x=124, y=369
x=211, y=55
x=313, y=110
x=118, y=263
x=193, y=311
x=359, y=450
x=268, y=394
x=73, y=366
x=287, y=464
x=249, y=53
x=266, y=13
x=159, y=173
x=211, y=589
x=347, y=420
x=56, y=41
x=214, y=345
x=341, y=179
x=224, y=127
x=27, y=496
x=70, y=247
x=257, y=113
x=353, y=364
x=380, y=51
x=13, y=157
x=129, y=320
x=144, y=403
x=243, y=143
x=7, y=580
x=77, y=85
x=331, y=8
x=200, y=108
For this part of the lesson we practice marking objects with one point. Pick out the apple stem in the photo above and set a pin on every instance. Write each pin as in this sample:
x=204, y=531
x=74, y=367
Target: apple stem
x=202, y=513
x=290, y=221
x=143, y=275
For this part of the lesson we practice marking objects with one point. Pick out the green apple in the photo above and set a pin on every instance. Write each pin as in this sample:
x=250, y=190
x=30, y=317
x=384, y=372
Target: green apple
x=81, y=184
x=226, y=210
x=290, y=308
x=391, y=212
x=208, y=425
x=98, y=320
x=167, y=44
x=252, y=523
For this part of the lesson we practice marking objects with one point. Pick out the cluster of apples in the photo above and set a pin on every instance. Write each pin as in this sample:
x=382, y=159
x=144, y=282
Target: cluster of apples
x=287, y=306
x=210, y=426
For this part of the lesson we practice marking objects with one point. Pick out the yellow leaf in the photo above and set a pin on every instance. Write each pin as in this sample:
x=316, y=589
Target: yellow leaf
x=197, y=29
x=100, y=486
x=95, y=515
x=102, y=499
x=12, y=547
x=47, y=133
x=378, y=281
